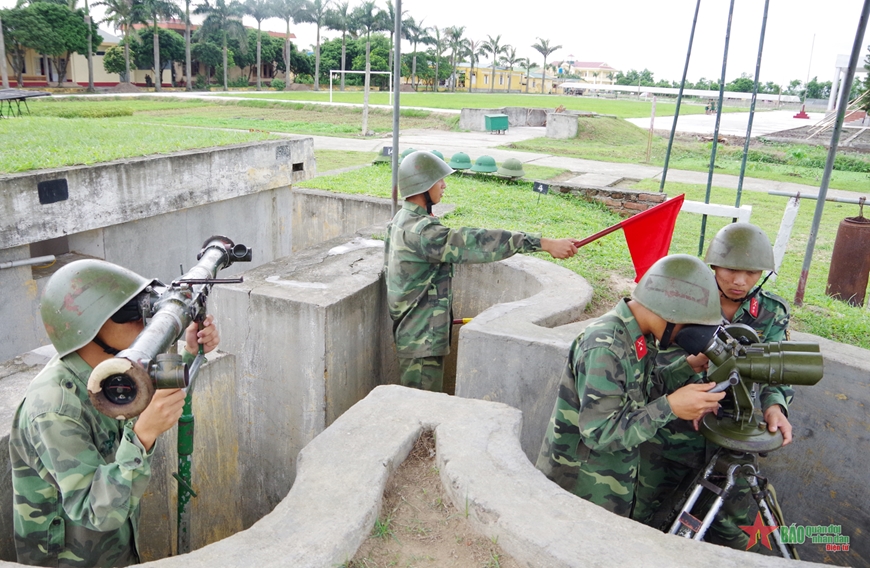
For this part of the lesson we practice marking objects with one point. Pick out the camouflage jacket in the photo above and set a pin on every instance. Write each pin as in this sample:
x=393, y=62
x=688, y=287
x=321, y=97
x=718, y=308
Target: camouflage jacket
x=419, y=254
x=77, y=475
x=603, y=412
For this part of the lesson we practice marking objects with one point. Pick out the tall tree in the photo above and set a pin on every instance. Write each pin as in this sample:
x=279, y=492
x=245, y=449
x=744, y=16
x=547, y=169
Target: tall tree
x=526, y=64
x=3, y=73
x=416, y=33
x=15, y=37
x=474, y=49
x=369, y=18
x=439, y=45
x=316, y=14
x=297, y=12
x=510, y=60
x=157, y=10
x=259, y=10
x=340, y=19
x=493, y=46
x=544, y=48
x=454, y=37
x=224, y=19
x=390, y=19
x=122, y=14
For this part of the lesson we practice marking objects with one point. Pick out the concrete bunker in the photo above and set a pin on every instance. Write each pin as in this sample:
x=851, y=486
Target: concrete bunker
x=306, y=337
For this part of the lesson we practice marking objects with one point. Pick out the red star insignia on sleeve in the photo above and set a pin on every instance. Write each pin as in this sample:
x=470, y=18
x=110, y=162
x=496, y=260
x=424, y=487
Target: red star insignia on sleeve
x=758, y=531
x=753, y=307
x=640, y=347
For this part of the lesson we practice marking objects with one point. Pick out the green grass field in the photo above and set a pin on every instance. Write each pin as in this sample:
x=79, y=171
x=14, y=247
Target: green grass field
x=627, y=108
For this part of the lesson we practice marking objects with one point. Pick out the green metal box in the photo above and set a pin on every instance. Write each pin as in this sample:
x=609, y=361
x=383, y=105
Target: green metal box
x=496, y=122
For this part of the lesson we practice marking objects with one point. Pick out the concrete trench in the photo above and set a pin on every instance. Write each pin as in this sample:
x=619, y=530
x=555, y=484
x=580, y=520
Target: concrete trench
x=298, y=427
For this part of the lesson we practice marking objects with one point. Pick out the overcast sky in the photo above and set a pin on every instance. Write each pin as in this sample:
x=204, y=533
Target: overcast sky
x=802, y=37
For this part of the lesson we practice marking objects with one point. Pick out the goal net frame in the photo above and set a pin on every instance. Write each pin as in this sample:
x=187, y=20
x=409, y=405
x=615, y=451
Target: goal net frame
x=333, y=72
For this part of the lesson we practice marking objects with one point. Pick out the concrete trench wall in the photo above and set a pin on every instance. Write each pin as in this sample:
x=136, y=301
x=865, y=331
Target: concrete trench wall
x=309, y=337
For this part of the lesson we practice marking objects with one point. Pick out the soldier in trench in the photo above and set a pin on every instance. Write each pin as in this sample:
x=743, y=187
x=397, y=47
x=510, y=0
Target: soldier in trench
x=419, y=255
x=78, y=475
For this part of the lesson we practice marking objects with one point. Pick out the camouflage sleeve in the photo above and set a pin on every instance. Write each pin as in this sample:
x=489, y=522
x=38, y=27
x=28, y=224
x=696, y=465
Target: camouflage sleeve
x=673, y=371
x=98, y=495
x=615, y=414
x=776, y=329
x=468, y=245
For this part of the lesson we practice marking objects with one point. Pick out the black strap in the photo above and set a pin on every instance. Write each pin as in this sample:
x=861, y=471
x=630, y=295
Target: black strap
x=106, y=348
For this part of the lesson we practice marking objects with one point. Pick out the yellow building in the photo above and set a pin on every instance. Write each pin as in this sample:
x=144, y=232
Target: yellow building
x=506, y=80
x=40, y=72
x=595, y=72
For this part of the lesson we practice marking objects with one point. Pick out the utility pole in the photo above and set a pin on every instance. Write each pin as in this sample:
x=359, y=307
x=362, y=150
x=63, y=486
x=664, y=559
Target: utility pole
x=90, y=49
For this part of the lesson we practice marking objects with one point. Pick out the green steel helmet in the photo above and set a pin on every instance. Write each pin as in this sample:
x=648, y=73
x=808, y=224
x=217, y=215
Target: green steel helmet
x=81, y=296
x=439, y=154
x=511, y=168
x=740, y=246
x=484, y=164
x=419, y=171
x=460, y=161
x=680, y=289
x=405, y=154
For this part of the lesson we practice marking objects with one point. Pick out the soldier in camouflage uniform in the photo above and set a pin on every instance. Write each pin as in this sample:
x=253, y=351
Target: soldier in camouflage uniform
x=78, y=475
x=738, y=254
x=605, y=409
x=419, y=255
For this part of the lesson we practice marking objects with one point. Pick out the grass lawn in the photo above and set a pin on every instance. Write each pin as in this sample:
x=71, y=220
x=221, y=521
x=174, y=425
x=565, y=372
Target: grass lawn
x=486, y=202
x=609, y=140
x=623, y=108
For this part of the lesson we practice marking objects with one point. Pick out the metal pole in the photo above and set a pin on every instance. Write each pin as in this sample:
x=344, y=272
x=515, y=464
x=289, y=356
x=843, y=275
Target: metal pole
x=751, y=108
x=185, y=451
x=679, y=98
x=652, y=119
x=4, y=75
x=832, y=152
x=397, y=83
x=716, y=128
x=90, y=49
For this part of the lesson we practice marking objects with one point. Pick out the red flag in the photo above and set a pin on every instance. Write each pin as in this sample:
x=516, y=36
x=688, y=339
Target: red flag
x=648, y=234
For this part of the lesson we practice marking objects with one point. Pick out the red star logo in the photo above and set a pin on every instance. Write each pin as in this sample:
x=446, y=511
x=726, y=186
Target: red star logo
x=758, y=531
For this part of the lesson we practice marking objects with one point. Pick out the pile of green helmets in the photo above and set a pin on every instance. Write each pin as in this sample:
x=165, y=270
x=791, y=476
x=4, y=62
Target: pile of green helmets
x=510, y=169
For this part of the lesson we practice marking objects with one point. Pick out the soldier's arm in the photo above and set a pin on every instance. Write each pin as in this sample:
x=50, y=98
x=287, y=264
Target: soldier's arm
x=95, y=494
x=469, y=245
x=614, y=416
x=673, y=370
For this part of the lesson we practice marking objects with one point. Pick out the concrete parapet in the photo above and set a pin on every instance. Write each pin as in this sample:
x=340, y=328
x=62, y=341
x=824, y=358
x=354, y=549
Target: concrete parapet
x=562, y=125
x=473, y=118
x=319, y=216
x=514, y=349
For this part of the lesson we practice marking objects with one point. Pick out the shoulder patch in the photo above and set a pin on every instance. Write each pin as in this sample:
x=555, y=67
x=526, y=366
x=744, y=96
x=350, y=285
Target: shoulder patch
x=640, y=347
x=753, y=307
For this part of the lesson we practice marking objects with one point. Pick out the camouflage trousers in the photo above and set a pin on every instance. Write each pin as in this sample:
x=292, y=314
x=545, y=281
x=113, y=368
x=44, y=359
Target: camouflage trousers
x=669, y=465
x=424, y=373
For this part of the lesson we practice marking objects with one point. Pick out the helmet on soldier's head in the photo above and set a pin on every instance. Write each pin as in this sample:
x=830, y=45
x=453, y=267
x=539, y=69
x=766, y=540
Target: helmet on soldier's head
x=419, y=171
x=81, y=296
x=680, y=289
x=740, y=246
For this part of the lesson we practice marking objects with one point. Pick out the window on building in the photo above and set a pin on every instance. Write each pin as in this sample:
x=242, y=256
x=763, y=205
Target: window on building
x=486, y=79
x=501, y=79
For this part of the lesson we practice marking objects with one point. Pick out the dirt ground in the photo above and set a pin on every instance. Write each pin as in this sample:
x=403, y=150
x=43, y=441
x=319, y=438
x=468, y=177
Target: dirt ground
x=419, y=526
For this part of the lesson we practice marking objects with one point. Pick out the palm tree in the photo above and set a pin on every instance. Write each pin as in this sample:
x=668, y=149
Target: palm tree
x=339, y=19
x=287, y=10
x=368, y=19
x=390, y=20
x=454, y=37
x=473, y=49
x=225, y=19
x=510, y=60
x=526, y=64
x=415, y=33
x=259, y=10
x=493, y=46
x=544, y=48
x=439, y=43
x=316, y=14
x=157, y=9
x=122, y=14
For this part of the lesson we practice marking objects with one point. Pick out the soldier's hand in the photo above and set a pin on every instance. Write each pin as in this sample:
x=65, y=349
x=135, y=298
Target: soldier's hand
x=693, y=401
x=698, y=363
x=208, y=336
x=160, y=415
x=560, y=248
x=776, y=420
